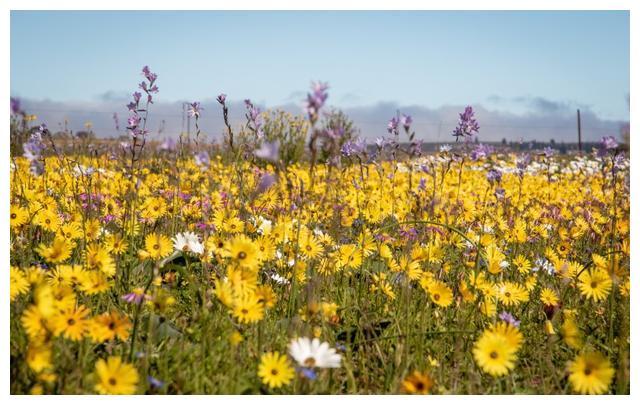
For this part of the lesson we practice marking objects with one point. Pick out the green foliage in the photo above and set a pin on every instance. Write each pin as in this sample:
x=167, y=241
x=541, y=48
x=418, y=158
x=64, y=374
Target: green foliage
x=289, y=130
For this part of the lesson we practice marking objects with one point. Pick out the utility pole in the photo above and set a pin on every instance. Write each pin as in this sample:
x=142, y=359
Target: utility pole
x=579, y=134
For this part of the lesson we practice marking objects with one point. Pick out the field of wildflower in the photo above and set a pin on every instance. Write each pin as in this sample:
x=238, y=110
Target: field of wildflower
x=292, y=257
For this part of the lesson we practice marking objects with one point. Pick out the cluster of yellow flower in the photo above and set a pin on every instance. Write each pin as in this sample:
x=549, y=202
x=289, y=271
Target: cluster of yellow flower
x=95, y=249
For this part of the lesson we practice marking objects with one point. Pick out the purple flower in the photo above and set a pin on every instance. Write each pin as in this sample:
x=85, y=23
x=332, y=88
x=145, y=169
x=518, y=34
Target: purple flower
x=307, y=372
x=494, y=176
x=423, y=184
x=266, y=181
x=33, y=149
x=316, y=100
x=406, y=121
x=268, y=151
x=607, y=143
x=416, y=148
x=392, y=126
x=136, y=296
x=194, y=109
x=522, y=163
x=548, y=152
x=254, y=118
x=508, y=318
x=15, y=106
x=221, y=98
x=356, y=147
x=481, y=151
x=151, y=77
x=154, y=382
x=410, y=233
x=133, y=121
x=334, y=133
x=202, y=159
x=383, y=142
x=108, y=218
x=467, y=124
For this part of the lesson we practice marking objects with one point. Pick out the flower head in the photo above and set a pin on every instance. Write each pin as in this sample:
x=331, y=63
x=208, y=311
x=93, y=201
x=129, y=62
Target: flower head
x=590, y=373
x=311, y=353
x=115, y=377
x=275, y=370
x=188, y=242
x=194, y=109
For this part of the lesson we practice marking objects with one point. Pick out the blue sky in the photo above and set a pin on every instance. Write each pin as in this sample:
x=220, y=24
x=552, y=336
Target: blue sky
x=427, y=59
x=423, y=58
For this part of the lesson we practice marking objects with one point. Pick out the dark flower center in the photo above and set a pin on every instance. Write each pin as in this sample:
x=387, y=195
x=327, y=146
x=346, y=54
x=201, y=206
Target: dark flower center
x=436, y=297
x=71, y=322
x=112, y=381
x=493, y=354
x=594, y=284
x=242, y=255
x=587, y=371
x=14, y=216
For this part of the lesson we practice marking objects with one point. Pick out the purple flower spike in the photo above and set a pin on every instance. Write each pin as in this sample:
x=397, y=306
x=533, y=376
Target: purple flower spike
x=607, y=143
x=316, y=100
x=467, y=124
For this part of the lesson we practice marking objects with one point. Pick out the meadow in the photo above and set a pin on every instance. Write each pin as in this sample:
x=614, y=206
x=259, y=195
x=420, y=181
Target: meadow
x=293, y=258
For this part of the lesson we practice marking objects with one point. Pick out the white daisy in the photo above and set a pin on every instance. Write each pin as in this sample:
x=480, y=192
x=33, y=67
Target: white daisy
x=188, y=242
x=312, y=353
